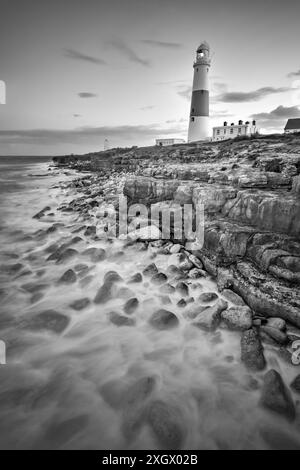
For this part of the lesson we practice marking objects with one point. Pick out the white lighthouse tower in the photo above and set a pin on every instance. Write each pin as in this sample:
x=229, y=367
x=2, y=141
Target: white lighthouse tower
x=199, y=115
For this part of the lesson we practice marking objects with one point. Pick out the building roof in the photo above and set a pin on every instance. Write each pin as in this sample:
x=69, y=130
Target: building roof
x=203, y=45
x=292, y=124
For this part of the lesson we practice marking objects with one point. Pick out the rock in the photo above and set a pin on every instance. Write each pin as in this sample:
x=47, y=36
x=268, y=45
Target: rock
x=150, y=270
x=163, y=320
x=275, y=395
x=159, y=278
x=175, y=249
x=166, y=424
x=277, y=323
x=90, y=231
x=233, y=297
x=80, y=304
x=11, y=269
x=120, y=320
x=181, y=303
x=182, y=288
x=104, y=293
x=131, y=305
x=40, y=214
x=165, y=300
x=237, y=318
x=167, y=289
x=207, y=297
x=69, y=277
x=196, y=261
x=136, y=278
x=195, y=273
x=295, y=385
x=48, y=320
x=124, y=293
x=175, y=272
x=277, y=335
x=210, y=317
x=94, y=254
x=279, y=440
x=252, y=351
x=112, y=277
x=66, y=255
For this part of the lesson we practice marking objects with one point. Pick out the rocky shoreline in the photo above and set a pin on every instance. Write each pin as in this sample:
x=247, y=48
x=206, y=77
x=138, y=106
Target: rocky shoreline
x=251, y=193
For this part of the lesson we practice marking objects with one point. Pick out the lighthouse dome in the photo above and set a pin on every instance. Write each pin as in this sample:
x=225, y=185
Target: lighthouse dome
x=203, y=46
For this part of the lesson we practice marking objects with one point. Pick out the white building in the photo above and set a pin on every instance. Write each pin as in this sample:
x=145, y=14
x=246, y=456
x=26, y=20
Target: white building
x=234, y=130
x=165, y=142
x=292, y=126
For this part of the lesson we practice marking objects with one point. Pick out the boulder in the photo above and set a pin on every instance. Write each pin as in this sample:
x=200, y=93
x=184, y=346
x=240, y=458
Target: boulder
x=295, y=385
x=277, y=323
x=237, y=318
x=233, y=297
x=209, y=319
x=252, y=354
x=275, y=395
x=277, y=335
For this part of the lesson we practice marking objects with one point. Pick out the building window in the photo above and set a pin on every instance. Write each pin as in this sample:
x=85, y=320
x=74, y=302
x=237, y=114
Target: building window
x=193, y=109
x=240, y=130
x=231, y=131
x=224, y=131
x=218, y=132
x=192, y=119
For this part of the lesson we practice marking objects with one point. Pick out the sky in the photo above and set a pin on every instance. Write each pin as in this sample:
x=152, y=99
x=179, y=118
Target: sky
x=78, y=72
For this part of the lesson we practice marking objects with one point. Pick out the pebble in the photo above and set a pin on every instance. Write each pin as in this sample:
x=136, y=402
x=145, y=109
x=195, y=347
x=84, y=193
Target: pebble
x=131, y=305
x=80, y=304
x=120, y=320
x=163, y=320
x=69, y=277
x=159, y=278
x=48, y=320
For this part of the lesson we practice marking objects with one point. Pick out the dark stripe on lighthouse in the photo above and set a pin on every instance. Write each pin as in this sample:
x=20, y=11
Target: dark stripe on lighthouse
x=200, y=103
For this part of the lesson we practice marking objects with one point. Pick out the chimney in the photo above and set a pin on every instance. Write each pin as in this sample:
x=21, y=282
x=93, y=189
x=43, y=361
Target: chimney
x=232, y=124
x=253, y=123
x=247, y=123
x=225, y=123
x=240, y=122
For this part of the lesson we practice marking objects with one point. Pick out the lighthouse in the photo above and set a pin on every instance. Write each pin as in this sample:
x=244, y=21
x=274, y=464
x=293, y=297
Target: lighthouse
x=199, y=115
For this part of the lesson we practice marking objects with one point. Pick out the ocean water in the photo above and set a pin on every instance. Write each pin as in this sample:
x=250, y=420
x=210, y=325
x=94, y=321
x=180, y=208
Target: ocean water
x=91, y=385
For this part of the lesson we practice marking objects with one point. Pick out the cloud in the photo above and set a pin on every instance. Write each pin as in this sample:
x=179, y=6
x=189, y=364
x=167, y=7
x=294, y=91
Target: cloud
x=85, y=94
x=84, y=135
x=220, y=114
x=242, y=97
x=128, y=52
x=145, y=108
x=280, y=112
x=276, y=119
x=72, y=54
x=294, y=74
x=164, y=44
x=76, y=115
x=185, y=92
